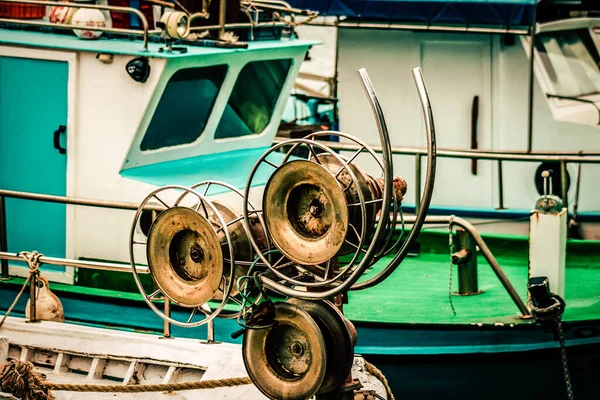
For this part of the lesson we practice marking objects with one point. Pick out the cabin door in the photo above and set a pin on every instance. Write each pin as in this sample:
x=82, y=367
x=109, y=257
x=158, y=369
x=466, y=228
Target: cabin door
x=457, y=70
x=33, y=117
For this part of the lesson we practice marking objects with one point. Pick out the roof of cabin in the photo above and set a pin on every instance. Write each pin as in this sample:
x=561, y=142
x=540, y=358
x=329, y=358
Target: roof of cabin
x=128, y=47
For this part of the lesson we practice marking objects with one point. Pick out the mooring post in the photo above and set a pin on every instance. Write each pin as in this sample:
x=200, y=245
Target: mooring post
x=465, y=256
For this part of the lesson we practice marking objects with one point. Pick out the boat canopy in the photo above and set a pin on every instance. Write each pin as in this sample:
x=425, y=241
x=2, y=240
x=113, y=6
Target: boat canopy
x=507, y=14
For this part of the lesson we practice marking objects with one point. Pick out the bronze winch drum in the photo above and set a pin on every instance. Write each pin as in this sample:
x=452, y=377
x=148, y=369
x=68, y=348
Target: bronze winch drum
x=241, y=247
x=287, y=360
x=186, y=250
x=317, y=208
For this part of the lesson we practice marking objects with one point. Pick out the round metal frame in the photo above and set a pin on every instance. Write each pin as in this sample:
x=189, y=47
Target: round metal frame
x=148, y=298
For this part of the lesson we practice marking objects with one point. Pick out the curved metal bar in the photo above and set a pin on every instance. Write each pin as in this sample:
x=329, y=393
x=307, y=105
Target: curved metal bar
x=426, y=198
x=485, y=251
x=129, y=10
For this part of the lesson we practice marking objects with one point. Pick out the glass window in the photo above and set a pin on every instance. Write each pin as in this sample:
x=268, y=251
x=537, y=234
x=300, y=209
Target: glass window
x=184, y=107
x=571, y=62
x=253, y=98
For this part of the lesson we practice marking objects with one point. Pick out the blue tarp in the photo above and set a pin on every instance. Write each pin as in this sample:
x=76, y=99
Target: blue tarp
x=502, y=13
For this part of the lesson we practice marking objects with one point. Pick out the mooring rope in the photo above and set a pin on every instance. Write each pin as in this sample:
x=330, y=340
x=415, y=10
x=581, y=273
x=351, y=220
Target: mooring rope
x=33, y=260
x=21, y=380
x=373, y=370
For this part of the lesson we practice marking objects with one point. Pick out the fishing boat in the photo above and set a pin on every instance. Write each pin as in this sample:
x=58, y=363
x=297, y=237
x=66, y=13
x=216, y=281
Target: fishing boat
x=104, y=166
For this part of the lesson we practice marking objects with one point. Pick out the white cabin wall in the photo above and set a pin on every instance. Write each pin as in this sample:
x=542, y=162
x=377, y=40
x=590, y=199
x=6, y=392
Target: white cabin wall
x=389, y=57
x=101, y=142
x=456, y=67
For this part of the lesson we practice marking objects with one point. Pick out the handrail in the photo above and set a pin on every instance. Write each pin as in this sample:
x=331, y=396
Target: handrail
x=140, y=15
x=485, y=251
x=54, y=199
x=474, y=154
x=499, y=156
x=48, y=198
x=96, y=265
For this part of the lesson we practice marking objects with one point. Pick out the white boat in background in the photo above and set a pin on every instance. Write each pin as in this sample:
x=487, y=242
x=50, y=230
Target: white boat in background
x=489, y=97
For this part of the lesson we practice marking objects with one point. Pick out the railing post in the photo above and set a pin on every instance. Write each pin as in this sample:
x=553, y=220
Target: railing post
x=167, y=324
x=500, y=187
x=33, y=297
x=563, y=184
x=417, y=182
x=465, y=256
x=3, y=239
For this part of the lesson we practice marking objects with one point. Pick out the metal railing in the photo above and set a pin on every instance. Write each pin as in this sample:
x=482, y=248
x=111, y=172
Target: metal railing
x=144, y=32
x=5, y=257
x=107, y=266
x=499, y=156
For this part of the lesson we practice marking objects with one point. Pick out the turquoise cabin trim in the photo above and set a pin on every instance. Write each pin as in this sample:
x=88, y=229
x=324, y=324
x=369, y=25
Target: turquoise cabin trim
x=129, y=47
x=232, y=167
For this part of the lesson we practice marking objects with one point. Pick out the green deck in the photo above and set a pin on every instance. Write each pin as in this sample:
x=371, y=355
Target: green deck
x=417, y=292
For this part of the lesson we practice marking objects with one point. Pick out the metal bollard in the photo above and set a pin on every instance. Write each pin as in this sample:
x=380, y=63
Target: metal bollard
x=465, y=257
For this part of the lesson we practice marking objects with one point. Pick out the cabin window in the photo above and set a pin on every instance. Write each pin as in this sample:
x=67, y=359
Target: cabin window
x=184, y=107
x=253, y=98
x=571, y=62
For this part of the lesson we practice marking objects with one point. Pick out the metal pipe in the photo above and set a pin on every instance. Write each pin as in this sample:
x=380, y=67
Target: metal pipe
x=238, y=25
x=429, y=28
x=466, y=259
x=222, y=11
x=75, y=200
x=33, y=297
x=97, y=265
x=500, y=186
x=563, y=184
x=427, y=194
x=3, y=239
x=485, y=251
x=210, y=334
x=531, y=84
x=167, y=324
x=129, y=10
x=470, y=154
x=417, y=182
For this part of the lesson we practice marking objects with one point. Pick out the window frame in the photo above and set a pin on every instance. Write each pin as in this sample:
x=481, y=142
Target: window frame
x=566, y=110
x=210, y=113
x=277, y=101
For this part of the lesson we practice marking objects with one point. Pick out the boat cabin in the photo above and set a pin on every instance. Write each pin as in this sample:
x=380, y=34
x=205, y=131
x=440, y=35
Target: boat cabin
x=113, y=117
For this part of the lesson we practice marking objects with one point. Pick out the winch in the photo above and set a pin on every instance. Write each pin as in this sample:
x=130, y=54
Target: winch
x=323, y=221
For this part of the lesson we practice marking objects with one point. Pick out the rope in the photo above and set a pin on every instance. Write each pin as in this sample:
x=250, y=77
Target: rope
x=373, y=370
x=450, y=228
x=563, y=357
x=33, y=260
x=19, y=379
x=163, y=387
x=553, y=313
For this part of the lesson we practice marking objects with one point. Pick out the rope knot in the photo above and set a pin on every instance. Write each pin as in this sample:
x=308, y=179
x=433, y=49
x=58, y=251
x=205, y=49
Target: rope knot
x=32, y=258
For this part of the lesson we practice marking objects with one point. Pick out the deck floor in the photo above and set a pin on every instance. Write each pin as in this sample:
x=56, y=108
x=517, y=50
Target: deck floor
x=417, y=292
